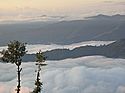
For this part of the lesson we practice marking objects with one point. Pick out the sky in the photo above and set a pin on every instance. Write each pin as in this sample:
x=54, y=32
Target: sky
x=28, y=9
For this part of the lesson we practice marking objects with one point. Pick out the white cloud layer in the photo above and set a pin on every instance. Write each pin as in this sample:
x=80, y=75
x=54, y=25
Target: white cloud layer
x=35, y=48
x=93, y=74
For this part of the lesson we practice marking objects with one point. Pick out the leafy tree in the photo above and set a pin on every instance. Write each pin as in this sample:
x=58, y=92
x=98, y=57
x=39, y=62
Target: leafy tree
x=14, y=53
x=40, y=59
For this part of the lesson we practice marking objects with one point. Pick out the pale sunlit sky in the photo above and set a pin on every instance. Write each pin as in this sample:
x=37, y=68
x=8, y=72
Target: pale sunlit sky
x=22, y=9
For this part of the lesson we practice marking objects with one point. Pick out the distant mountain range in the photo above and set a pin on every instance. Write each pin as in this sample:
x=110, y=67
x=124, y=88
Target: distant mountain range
x=113, y=50
x=101, y=16
x=100, y=27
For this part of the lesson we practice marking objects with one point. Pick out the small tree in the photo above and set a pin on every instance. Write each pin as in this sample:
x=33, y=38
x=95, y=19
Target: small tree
x=40, y=59
x=14, y=53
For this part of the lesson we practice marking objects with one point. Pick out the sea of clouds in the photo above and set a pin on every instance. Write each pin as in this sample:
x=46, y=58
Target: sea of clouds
x=92, y=74
x=35, y=48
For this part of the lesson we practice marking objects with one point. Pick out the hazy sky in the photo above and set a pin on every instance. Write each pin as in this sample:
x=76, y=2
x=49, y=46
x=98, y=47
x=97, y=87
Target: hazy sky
x=21, y=9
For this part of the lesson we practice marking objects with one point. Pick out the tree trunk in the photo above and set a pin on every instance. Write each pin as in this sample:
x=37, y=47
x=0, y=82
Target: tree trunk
x=37, y=80
x=18, y=79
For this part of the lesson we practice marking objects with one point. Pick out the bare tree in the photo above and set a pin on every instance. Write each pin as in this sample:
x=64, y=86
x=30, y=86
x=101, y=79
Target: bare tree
x=14, y=53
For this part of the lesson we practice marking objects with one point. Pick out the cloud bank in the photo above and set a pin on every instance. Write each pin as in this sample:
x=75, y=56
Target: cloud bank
x=35, y=48
x=93, y=74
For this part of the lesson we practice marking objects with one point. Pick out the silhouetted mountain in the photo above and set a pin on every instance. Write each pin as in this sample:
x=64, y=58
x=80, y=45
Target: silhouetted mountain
x=100, y=27
x=101, y=16
x=113, y=50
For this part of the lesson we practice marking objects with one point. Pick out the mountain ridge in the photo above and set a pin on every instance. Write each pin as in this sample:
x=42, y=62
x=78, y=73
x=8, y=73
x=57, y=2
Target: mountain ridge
x=113, y=50
x=65, y=32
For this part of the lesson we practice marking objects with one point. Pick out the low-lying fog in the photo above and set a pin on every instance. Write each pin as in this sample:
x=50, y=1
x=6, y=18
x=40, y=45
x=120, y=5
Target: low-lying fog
x=93, y=74
x=90, y=74
x=35, y=48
